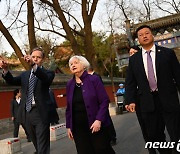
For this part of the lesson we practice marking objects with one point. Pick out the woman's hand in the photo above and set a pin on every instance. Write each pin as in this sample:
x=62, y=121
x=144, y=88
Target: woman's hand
x=96, y=126
x=69, y=133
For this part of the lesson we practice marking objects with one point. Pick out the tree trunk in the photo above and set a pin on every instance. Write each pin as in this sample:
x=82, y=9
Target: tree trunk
x=88, y=39
x=31, y=32
x=66, y=27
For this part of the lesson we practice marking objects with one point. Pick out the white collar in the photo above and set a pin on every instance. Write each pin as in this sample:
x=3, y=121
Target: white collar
x=153, y=49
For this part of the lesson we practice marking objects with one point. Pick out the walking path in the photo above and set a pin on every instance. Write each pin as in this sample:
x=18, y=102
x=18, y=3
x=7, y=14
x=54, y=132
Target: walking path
x=129, y=138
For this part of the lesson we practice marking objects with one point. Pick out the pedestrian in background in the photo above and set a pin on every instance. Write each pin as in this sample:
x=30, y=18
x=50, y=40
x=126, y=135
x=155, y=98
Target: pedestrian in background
x=16, y=113
x=35, y=98
x=133, y=50
x=121, y=90
x=87, y=115
x=152, y=81
x=54, y=117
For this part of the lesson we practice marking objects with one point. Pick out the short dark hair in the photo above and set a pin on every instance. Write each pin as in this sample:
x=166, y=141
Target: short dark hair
x=38, y=49
x=141, y=27
x=90, y=68
x=16, y=91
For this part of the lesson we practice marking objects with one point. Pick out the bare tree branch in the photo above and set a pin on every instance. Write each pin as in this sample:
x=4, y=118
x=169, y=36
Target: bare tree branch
x=17, y=14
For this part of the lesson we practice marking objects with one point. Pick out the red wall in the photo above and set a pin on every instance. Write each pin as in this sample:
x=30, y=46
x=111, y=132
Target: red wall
x=5, y=101
x=6, y=97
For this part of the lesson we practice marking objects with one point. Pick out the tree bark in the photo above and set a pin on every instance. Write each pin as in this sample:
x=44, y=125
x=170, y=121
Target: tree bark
x=88, y=39
x=30, y=19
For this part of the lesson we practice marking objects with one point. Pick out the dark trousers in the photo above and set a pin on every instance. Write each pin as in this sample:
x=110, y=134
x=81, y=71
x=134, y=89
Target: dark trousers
x=16, y=128
x=112, y=131
x=88, y=142
x=153, y=124
x=96, y=143
x=39, y=132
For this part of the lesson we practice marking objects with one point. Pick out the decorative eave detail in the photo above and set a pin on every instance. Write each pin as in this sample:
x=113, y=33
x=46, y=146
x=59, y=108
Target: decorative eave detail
x=163, y=22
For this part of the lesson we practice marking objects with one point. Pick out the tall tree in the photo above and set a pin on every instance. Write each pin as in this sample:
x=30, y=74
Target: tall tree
x=84, y=31
x=63, y=27
x=168, y=6
x=30, y=21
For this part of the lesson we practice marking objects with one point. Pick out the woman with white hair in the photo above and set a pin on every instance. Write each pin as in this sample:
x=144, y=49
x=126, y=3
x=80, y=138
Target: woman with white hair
x=87, y=115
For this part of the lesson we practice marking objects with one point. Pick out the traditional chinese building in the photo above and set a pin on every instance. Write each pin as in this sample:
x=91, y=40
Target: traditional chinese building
x=166, y=32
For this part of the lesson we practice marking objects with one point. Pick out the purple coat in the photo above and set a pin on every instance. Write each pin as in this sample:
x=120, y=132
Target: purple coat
x=95, y=98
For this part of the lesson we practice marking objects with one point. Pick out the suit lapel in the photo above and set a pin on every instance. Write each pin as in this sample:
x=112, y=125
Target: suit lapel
x=27, y=79
x=157, y=60
x=141, y=64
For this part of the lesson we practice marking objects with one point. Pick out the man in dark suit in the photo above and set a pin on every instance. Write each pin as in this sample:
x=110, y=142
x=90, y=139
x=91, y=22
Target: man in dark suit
x=152, y=81
x=15, y=113
x=35, y=98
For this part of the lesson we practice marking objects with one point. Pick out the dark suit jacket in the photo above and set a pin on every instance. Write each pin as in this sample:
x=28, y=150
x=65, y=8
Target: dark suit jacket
x=168, y=80
x=41, y=90
x=54, y=117
x=14, y=108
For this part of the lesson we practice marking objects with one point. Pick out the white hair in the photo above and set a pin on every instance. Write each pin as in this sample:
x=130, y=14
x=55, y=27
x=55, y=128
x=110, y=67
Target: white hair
x=82, y=60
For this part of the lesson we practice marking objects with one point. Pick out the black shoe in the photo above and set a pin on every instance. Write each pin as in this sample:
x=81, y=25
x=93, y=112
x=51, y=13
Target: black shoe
x=113, y=142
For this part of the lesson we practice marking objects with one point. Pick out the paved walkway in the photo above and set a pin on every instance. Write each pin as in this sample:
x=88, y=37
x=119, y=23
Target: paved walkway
x=129, y=138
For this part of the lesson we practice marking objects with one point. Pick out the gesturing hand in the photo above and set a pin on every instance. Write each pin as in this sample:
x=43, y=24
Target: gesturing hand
x=28, y=59
x=96, y=126
x=3, y=63
x=130, y=107
x=69, y=133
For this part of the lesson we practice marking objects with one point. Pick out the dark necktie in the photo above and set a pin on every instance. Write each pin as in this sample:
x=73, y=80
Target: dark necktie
x=151, y=75
x=30, y=92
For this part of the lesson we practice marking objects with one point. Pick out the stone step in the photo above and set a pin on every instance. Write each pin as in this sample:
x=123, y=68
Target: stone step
x=57, y=132
x=10, y=146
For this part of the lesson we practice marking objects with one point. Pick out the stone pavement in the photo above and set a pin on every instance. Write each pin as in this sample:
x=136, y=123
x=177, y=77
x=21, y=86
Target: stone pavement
x=129, y=138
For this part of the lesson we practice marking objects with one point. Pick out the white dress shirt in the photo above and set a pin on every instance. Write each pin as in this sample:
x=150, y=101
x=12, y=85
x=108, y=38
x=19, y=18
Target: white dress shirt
x=153, y=56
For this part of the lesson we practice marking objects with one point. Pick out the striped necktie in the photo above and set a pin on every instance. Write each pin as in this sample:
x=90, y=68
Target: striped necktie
x=151, y=75
x=30, y=92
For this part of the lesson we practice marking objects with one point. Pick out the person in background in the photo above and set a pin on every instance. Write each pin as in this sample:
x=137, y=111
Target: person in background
x=133, y=50
x=35, y=98
x=121, y=98
x=54, y=117
x=91, y=71
x=15, y=114
x=121, y=90
x=112, y=131
x=152, y=81
x=87, y=115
